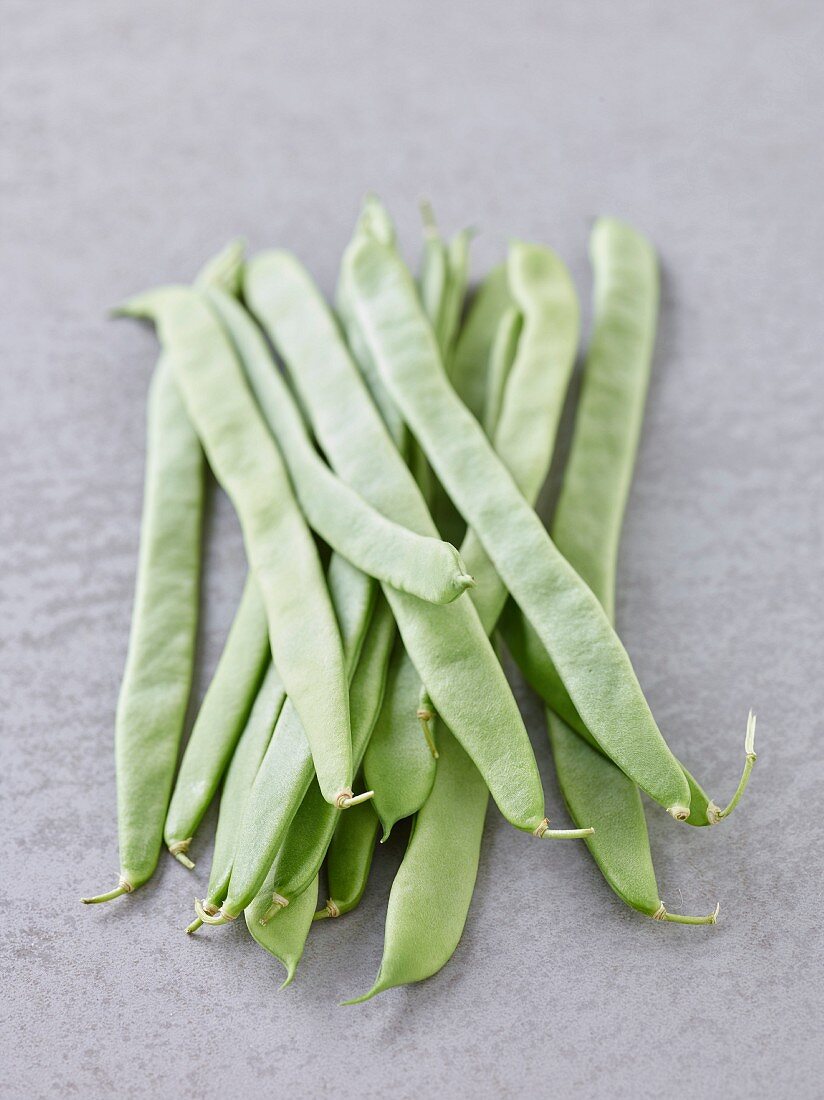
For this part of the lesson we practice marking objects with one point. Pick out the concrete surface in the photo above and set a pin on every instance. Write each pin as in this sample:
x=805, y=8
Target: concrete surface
x=135, y=140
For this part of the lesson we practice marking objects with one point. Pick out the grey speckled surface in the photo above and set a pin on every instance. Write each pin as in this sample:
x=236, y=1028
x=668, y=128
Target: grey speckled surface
x=135, y=140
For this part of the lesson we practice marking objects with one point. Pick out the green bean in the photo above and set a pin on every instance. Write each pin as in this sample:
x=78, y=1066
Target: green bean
x=225, y=269
x=374, y=223
x=434, y=273
x=304, y=848
x=458, y=277
x=220, y=721
x=232, y=691
x=448, y=646
x=240, y=777
x=286, y=938
x=589, y=514
x=349, y=860
x=303, y=633
x=501, y=358
x=426, y=567
x=564, y=612
x=399, y=764
x=468, y=369
x=286, y=772
x=427, y=912
x=151, y=709
x=525, y=423
x=536, y=373
x=596, y=790
x=444, y=275
x=442, y=291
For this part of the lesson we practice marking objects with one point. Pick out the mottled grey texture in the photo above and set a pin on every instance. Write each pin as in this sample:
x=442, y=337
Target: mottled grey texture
x=135, y=140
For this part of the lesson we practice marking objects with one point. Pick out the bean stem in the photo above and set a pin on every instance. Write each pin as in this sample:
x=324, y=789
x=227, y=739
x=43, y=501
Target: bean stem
x=713, y=813
x=678, y=918
x=122, y=887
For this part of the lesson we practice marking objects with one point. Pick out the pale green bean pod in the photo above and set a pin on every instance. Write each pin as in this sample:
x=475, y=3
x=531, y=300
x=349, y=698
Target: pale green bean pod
x=220, y=721
x=303, y=632
x=526, y=425
x=349, y=860
x=427, y=911
x=154, y=695
x=568, y=618
x=448, y=645
x=426, y=567
x=285, y=938
x=286, y=771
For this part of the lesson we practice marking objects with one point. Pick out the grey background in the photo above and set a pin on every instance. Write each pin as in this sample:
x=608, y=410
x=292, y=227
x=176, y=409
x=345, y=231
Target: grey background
x=135, y=140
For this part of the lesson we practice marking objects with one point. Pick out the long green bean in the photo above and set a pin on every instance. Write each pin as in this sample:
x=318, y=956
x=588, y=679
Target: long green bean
x=304, y=848
x=286, y=771
x=447, y=644
x=568, y=618
x=526, y=423
x=240, y=777
x=151, y=709
x=220, y=721
x=587, y=524
x=427, y=911
x=426, y=567
x=303, y=633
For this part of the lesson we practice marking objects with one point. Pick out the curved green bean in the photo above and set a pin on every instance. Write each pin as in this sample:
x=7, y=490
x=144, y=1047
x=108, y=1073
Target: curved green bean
x=349, y=860
x=589, y=514
x=586, y=528
x=286, y=938
x=448, y=645
x=231, y=693
x=240, y=777
x=426, y=567
x=525, y=424
x=151, y=709
x=564, y=612
x=399, y=764
x=220, y=721
x=427, y=912
x=303, y=633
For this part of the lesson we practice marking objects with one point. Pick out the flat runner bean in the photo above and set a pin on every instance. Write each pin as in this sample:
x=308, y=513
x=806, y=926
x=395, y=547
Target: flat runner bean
x=426, y=567
x=571, y=623
x=220, y=721
x=589, y=514
x=286, y=771
x=427, y=912
x=154, y=695
x=304, y=636
x=240, y=777
x=448, y=646
x=526, y=424
x=286, y=938
x=349, y=860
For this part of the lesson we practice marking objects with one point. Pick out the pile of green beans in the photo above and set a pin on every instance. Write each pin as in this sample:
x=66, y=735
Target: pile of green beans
x=384, y=458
